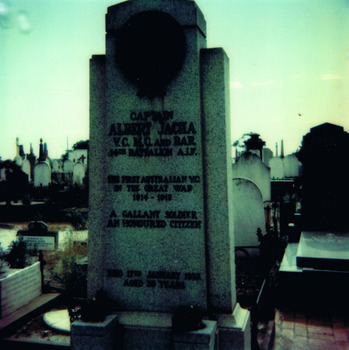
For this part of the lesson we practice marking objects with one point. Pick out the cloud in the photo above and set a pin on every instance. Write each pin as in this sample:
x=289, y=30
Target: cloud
x=235, y=85
x=261, y=83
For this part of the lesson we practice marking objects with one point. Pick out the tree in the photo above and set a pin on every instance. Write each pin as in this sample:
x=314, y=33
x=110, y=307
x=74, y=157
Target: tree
x=78, y=145
x=16, y=185
x=240, y=143
x=81, y=145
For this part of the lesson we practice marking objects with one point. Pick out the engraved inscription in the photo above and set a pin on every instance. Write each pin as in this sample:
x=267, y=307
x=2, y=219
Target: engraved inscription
x=152, y=279
x=153, y=219
x=153, y=187
x=135, y=138
x=156, y=188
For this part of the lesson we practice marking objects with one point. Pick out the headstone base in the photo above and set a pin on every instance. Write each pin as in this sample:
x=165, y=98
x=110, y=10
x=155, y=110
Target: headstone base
x=203, y=339
x=234, y=331
x=145, y=330
x=152, y=330
x=94, y=336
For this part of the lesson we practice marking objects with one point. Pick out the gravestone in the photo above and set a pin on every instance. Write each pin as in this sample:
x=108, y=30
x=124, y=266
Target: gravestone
x=248, y=212
x=267, y=155
x=26, y=168
x=42, y=174
x=325, y=189
x=39, y=237
x=68, y=168
x=79, y=172
x=78, y=155
x=57, y=166
x=277, y=170
x=161, y=231
x=32, y=160
x=19, y=153
x=292, y=166
x=323, y=251
x=250, y=166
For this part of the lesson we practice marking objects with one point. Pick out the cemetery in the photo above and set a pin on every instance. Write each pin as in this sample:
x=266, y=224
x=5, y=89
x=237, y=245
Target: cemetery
x=183, y=248
x=40, y=187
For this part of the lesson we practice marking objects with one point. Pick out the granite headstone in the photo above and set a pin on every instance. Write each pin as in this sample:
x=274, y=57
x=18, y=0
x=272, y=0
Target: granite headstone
x=160, y=218
x=325, y=188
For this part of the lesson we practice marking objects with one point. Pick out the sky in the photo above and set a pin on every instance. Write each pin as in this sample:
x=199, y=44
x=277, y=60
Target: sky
x=289, y=67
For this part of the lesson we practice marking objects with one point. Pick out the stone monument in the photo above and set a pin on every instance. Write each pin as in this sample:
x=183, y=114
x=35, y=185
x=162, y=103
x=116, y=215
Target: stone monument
x=250, y=166
x=160, y=226
x=38, y=237
x=320, y=260
x=248, y=212
x=325, y=189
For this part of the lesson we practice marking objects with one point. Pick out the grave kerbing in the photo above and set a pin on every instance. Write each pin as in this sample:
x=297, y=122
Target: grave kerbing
x=160, y=226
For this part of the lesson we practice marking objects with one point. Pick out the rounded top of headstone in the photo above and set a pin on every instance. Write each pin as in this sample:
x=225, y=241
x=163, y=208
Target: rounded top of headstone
x=248, y=157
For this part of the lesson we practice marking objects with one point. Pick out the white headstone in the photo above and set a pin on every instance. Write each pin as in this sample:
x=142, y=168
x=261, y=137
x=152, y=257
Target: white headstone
x=79, y=172
x=26, y=168
x=42, y=175
x=251, y=167
x=267, y=155
x=248, y=212
x=68, y=166
x=78, y=155
x=57, y=166
x=277, y=170
x=292, y=166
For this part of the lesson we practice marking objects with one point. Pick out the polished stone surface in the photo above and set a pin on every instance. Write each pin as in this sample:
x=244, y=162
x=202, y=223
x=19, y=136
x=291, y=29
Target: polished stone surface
x=289, y=261
x=323, y=250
